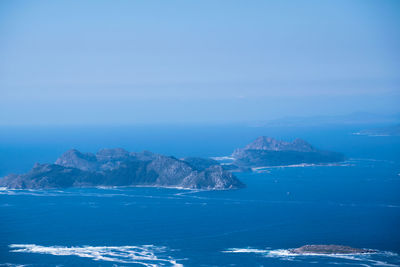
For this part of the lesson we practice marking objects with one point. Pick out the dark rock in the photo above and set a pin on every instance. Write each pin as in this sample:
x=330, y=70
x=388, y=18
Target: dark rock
x=200, y=163
x=329, y=249
x=236, y=168
x=76, y=159
x=46, y=176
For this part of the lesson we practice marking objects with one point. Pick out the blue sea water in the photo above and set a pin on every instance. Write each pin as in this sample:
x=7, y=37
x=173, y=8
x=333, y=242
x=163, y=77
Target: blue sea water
x=355, y=204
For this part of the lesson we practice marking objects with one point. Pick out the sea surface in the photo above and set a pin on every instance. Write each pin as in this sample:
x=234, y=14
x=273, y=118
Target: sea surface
x=356, y=203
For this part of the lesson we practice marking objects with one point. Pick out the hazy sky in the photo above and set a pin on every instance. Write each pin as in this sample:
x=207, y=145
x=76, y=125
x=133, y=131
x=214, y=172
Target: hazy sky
x=113, y=62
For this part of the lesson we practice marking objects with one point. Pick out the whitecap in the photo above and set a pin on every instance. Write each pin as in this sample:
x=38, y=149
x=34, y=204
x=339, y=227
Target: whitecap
x=146, y=255
x=245, y=250
x=304, y=165
x=222, y=158
x=287, y=254
x=12, y=265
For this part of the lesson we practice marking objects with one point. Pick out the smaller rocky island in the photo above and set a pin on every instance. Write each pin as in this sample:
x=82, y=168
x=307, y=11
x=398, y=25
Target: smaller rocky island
x=267, y=151
x=118, y=167
x=329, y=249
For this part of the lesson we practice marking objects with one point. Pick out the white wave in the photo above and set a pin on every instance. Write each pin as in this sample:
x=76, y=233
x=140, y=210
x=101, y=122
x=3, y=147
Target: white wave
x=12, y=265
x=261, y=169
x=222, y=158
x=147, y=255
x=72, y=193
x=107, y=187
x=390, y=206
x=370, y=134
x=302, y=165
x=245, y=250
x=287, y=254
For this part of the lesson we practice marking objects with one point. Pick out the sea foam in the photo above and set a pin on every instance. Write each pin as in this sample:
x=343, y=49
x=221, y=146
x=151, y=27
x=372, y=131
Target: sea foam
x=146, y=255
x=287, y=254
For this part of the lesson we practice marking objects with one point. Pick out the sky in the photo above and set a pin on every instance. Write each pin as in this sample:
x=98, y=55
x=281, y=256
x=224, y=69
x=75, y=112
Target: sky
x=127, y=62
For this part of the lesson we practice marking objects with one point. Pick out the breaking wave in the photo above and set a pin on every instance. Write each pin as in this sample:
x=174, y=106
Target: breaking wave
x=81, y=192
x=146, y=255
x=379, y=258
x=301, y=165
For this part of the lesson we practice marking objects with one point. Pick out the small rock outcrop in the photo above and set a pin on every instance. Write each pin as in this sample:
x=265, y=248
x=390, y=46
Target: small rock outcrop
x=329, y=249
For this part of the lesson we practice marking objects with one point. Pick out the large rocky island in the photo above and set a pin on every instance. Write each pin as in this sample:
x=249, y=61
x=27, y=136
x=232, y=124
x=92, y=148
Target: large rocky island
x=118, y=167
x=266, y=151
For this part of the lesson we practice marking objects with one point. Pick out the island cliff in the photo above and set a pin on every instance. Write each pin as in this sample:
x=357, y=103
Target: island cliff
x=118, y=167
x=266, y=151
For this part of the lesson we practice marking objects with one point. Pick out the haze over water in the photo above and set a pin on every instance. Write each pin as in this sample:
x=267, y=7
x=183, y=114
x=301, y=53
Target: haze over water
x=101, y=62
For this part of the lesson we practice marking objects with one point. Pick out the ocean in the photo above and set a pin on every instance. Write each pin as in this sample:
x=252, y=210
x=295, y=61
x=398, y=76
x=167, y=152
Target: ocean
x=356, y=203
